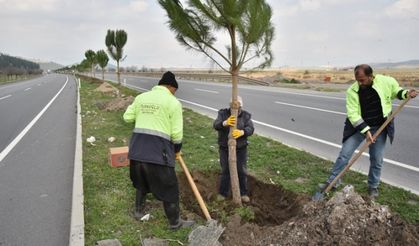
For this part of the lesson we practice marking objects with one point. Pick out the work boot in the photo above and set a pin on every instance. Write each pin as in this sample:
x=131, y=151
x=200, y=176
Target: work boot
x=172, y=213
x=139, y=205
x=373, y=192
x=181, y=224
x=245, y=199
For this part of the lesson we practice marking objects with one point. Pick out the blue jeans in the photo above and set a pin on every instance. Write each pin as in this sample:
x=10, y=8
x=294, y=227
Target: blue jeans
x=241, y=171
x=376, y=151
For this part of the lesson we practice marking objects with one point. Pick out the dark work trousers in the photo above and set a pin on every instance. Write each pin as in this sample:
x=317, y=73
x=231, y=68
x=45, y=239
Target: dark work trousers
x=241, y=170
x=159, y=180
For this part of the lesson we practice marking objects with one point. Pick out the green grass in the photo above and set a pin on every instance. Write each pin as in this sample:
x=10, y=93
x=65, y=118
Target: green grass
x=5, y=79
x=109, y=195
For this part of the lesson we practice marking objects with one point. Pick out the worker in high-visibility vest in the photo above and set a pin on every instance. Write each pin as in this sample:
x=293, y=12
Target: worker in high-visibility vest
x=155, y=143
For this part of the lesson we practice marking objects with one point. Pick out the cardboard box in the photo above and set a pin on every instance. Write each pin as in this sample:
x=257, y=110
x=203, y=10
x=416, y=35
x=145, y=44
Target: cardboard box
x=118, y=156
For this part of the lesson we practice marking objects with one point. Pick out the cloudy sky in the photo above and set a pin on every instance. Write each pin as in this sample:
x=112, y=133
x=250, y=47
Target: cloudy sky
x=308, y=32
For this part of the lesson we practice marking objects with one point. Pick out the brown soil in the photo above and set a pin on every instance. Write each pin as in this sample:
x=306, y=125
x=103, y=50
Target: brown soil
x=284, y=218
x=107, y=88
x=118, y=104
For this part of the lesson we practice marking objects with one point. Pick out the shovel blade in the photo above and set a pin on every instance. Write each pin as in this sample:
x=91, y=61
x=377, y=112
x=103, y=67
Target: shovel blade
x=318, y=196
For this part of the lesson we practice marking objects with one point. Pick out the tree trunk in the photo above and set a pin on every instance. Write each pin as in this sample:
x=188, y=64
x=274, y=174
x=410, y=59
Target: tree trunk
x=118, y=73
x=232, y=153
x=232, y=144
x=103, y=74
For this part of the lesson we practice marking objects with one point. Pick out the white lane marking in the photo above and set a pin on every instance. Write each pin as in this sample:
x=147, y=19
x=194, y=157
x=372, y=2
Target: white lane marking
x=133, y=86
x=407, y=106
x=318, y=109
x=19, y=137
x=337, y=98
x=197, y=104
x=1, y=98
x=300, y=94
x=28, y=89
x=311, y=95
x=396, y=163
x=215, y=92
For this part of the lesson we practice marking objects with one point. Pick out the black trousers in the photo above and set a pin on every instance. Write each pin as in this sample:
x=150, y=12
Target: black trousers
x=157, y=179
x=241, y=170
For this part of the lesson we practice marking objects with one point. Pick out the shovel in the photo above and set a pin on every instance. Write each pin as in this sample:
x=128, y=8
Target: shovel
x=203, y=235
x=194, y=189
x=319, y=195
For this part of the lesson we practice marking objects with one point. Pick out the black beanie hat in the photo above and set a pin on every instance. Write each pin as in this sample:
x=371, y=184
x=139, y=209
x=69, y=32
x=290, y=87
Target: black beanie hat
x=168, y=78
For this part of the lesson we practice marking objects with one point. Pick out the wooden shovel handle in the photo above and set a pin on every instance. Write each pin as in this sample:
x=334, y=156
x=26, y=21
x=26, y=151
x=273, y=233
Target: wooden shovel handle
x=194, y=189
x=365, y=146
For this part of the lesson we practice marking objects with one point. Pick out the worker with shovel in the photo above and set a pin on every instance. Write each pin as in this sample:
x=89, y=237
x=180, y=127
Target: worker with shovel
x=244, y=129
x=368, y=104
x=155, y=143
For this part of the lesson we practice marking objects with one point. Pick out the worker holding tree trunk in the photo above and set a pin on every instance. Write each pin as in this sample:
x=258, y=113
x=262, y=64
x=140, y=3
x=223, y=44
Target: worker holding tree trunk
x=155, y=143
x=243, y=130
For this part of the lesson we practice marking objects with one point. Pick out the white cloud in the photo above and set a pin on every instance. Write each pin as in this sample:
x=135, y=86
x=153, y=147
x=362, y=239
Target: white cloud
x=138, y=6
x=29, y=5
x=403, y=9
x=292, y=7
x=307, y=32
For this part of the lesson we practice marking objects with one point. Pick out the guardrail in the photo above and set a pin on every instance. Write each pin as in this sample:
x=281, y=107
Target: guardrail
x=202, y=76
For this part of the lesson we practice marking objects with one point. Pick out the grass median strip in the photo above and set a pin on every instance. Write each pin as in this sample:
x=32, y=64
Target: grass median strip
x=109, y=195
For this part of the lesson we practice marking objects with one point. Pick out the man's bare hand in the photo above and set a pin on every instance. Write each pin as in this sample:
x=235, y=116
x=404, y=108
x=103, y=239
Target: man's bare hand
x=369, y=137
x=412, y=93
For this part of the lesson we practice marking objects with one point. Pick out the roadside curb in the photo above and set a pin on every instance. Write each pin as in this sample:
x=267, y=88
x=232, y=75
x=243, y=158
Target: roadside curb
x=77, y=208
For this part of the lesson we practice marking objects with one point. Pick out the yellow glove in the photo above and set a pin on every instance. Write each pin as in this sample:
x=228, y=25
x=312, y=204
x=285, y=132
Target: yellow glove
x=231, y=121
x=237, y=133
x=177, y=155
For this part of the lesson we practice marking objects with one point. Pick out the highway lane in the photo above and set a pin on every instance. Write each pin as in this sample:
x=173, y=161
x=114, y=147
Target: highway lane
x=36, y=174
x=308, y=120
x=30, y=96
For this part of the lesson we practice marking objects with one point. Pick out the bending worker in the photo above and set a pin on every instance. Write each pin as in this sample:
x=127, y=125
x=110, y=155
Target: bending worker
x=244, y=129
x=155, y=141
x=368, y=104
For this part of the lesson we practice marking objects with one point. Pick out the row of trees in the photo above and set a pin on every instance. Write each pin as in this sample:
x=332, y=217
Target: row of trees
x=10, y=65
x=115, y=42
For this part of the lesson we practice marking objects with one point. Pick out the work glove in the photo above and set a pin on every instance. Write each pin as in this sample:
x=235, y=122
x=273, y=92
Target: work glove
x=237, y=133
x=177, y=155
x=231, y=121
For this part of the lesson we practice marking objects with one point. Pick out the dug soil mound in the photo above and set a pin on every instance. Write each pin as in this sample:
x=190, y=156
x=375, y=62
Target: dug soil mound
x=107, y=88
x=118, y=104
x=284, y=218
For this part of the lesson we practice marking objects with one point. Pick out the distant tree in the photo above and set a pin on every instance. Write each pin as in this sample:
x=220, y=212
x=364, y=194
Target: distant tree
x=91, y=59
x=248, y=24
x=115, y=41
x=11, y=65
x=102, y=59
x=83, y=66
x=144, y=69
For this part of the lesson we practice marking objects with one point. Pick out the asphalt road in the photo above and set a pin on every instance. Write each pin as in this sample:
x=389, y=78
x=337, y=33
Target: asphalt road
x=37, y=144
x=308, y=120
